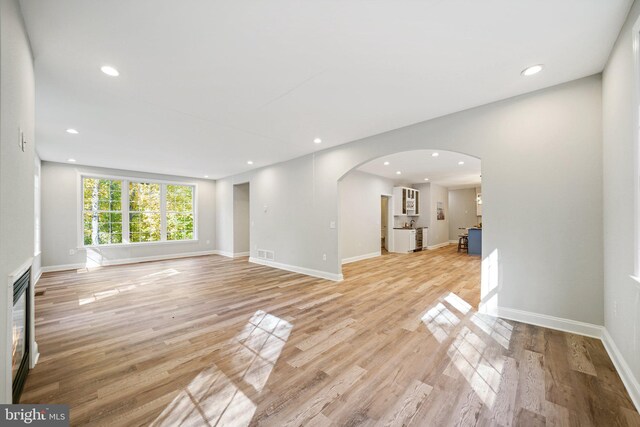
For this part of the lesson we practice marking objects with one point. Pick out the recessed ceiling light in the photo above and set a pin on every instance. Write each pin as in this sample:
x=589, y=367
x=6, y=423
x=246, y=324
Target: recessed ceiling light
x=71, y=160
x=109, y=71
x=206, y=176
x=534, y=69
x=426, y=179
x=249, y=162
x=435, y=154
x=398, y=172
x=72, y=131
x=386, y=163
x=317, y=141
x=461, y=163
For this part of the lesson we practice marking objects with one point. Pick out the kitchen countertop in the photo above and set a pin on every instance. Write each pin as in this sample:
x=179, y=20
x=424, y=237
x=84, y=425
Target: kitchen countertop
x=407, y=228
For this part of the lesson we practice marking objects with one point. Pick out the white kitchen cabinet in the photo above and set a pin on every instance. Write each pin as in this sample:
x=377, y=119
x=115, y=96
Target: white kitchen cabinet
x=404, y=240
x=406, y=201
x=478, y=203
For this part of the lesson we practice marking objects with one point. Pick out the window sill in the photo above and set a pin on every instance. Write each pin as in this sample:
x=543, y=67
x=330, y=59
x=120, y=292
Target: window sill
x=127, y=245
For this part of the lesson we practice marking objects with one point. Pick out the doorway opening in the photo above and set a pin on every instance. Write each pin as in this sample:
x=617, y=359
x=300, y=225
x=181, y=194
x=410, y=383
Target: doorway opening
x=241, y=220
x=421, y=208
x=385, y=223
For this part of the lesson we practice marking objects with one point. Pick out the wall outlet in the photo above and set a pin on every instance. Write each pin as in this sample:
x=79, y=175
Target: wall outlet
x=324, y=257
x=72, y=251
x=208, y=241
x=332, y=224
x=615, y=309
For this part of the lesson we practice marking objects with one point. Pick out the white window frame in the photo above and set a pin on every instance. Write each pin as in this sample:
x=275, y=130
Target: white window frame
x=125, y=210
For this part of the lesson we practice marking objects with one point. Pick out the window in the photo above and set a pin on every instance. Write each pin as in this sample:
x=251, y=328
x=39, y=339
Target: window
x=179, y=212
x=122, y=211
x=144, y=212
x=102, y=211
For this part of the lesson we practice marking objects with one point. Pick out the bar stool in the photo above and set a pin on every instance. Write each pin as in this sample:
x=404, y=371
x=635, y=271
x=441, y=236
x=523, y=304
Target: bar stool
x=463, y=241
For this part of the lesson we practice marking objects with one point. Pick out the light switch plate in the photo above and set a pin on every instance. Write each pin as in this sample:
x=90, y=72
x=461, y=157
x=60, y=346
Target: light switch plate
x=22, y=142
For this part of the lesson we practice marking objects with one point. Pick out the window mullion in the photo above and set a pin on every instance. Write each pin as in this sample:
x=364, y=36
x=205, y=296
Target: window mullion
x=163, y=212
x=125, y=211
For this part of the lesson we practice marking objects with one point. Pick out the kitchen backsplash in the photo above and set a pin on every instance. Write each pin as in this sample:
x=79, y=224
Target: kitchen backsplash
x=399, y=221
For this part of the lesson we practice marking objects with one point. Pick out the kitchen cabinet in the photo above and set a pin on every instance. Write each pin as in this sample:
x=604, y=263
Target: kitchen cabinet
x=404, y=240
x=475, y=241
x=406, y=201
x=478, y=203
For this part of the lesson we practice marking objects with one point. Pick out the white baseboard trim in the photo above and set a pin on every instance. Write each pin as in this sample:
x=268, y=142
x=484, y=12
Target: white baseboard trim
x=62, y=267
x=223, y=253
x=296, y=269
x=546, y=321
x=453, y=242
x=231, y=254
x=630, y=382
x=122, y=261
x=578, y=328
x=35, y=355
x=361, y=257
x=439, y=245
x=38, y=275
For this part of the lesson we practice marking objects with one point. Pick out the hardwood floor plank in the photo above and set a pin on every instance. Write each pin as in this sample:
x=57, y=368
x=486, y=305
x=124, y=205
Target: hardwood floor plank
x=222, y=341
x=406, y=407
x=579, y=358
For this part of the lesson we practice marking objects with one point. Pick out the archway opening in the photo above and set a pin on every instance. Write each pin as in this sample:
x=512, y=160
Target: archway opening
x=415, y=215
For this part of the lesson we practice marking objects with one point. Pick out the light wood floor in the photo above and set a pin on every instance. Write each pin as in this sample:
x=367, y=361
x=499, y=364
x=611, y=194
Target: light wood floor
x=215, y=341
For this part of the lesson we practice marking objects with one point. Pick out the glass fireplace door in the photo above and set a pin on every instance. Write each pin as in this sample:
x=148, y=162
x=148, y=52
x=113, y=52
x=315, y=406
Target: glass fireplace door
x=19, y=333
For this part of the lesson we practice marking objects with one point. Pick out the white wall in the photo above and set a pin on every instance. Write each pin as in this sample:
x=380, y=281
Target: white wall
x=547, y=141
x=424, y=219
x=430, y=195
x=241, y=218
x=16, y=167
x=438, y=229
x=37, y=219
x=462, y=211
x=620, y=152
x=60, y=227
x=360, y=213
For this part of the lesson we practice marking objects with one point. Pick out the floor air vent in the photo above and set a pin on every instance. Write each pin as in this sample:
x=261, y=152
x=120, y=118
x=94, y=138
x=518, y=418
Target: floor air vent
x=264, y=254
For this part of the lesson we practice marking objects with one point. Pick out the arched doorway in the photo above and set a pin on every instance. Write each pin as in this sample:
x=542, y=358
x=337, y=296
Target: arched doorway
x=410, y=202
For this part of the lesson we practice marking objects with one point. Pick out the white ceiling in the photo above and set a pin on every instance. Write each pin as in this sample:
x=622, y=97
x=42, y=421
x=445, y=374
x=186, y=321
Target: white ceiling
x=417, y=165
x=206, y=85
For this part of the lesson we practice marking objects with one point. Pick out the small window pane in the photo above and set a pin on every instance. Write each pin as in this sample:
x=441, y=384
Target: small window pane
x=179, y=198
x=179, y=226
x=144, y=197
x=144, y=227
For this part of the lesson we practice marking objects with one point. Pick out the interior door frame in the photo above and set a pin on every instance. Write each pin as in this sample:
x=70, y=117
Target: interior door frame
x=389, y=237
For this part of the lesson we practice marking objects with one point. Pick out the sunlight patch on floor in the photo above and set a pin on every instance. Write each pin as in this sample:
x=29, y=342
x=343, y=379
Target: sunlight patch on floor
x=482, y=372
x=440, y=321
x=494, y=327
x=129, y=286
x=212, y=398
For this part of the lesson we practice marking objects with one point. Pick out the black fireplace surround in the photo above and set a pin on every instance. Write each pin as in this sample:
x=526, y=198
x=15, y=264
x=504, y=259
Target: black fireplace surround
x=20, y=336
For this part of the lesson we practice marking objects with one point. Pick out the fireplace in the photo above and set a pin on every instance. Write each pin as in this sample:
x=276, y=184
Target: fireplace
x=20, y=328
